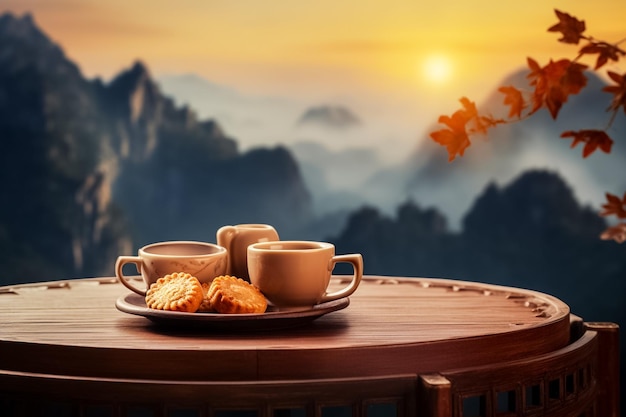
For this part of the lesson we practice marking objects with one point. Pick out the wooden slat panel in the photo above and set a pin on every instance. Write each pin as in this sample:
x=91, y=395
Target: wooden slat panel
x=264, y=396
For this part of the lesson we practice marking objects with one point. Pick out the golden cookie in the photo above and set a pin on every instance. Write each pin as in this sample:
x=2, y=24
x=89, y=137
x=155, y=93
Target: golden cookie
x=205, y=305
x=232, y=295
x=175, y=292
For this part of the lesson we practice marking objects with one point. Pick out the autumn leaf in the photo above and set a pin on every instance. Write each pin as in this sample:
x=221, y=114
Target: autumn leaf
x=513, y=97
x=618, y=91
x=469, y=108
x=593, y=140
x=574, y=78
x=614, y=206
x=605, y=52
x=480, y=124
x=455, y=139
x=538, y=80
x=554, y=83
x=547, y=82
x=616, y=233
x=571, y=28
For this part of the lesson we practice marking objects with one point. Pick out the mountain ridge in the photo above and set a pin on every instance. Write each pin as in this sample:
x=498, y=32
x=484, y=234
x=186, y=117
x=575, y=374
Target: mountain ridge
x=108, y=167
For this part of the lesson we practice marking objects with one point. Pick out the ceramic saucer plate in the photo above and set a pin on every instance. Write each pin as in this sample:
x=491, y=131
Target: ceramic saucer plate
x=273, y=318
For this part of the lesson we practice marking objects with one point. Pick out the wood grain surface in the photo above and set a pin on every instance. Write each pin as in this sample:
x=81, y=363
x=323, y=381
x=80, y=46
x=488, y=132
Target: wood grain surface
x=393, y=325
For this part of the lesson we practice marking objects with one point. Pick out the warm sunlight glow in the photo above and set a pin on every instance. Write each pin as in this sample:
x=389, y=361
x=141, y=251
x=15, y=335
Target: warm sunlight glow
x=437, y=69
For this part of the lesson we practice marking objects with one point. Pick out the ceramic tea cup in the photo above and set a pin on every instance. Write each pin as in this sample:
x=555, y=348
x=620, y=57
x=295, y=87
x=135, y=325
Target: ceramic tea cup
x=203, y=260
x=297, y=273
x=236, y=240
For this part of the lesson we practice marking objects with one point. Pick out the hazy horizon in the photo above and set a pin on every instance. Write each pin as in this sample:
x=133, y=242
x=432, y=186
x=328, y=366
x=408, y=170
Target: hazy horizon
x=404, y=61
x=397, y=66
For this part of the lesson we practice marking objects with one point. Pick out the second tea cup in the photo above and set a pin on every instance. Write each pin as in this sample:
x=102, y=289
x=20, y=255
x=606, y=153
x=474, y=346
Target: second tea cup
x=297, y=273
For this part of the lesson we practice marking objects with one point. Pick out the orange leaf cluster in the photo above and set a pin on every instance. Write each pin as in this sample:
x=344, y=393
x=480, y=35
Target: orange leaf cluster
x=554, y=83
x=551, y=86
x=460, y=125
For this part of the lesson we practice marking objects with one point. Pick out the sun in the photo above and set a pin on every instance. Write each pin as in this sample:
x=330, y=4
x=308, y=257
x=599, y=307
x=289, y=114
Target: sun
x=437, y=69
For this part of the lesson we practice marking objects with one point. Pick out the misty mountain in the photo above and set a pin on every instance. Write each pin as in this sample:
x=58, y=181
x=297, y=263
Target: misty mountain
x=427, y=177
x=254, y=120
x=94, y=170
x=425, y=173
x=531, y=232
x=199, y=179
x=335, y=177
x=330, y=117
x=534, y=143
x=337, y=163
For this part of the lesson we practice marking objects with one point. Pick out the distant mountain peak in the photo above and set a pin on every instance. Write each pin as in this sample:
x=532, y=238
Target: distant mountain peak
x=538, y=201
x=330, y=116
x=24, y=29
x=23, y=44
x=138, y=73
x=136, y=91
x=9, y=23
x=139, y=69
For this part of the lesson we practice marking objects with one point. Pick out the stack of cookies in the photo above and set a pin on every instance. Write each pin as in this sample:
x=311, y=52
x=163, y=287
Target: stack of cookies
x=226, y=294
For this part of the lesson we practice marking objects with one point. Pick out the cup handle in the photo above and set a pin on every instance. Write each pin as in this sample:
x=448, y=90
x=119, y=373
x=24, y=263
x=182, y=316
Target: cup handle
x=357, y=263
x=119, y=264
x=224, y=237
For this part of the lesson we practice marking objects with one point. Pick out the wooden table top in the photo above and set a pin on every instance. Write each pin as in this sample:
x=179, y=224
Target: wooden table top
x=392, y=326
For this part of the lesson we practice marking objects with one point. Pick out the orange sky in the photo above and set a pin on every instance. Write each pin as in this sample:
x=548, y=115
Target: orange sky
x=320, y=48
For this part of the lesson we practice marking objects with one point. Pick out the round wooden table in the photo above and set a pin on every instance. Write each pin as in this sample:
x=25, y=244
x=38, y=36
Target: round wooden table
x=70, y=332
